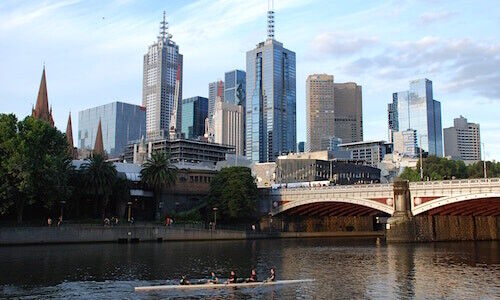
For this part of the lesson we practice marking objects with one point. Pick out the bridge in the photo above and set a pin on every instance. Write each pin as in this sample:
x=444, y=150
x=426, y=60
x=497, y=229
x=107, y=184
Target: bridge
x=469, y=197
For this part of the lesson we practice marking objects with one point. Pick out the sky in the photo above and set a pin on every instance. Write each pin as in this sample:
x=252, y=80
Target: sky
x=93, y=52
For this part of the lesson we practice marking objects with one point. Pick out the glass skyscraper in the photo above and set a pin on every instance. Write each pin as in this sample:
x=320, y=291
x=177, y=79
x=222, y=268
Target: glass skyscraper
x=416, y=109
x=235, y=87
x=121, y=123
x=271, y=101
x=194, y=113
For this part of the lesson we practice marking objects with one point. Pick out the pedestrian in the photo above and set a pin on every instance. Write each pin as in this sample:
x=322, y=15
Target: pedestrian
x=59, y=221
x=49, y=222
x=253, y=227
x=116, y=220
x=106, y=221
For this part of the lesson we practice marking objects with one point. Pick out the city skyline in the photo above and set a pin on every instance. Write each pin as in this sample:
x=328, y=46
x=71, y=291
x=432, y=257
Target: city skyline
x=89, y=76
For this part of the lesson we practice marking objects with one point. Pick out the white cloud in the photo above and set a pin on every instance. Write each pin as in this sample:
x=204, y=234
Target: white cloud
x=336, y=43
x=435, y=16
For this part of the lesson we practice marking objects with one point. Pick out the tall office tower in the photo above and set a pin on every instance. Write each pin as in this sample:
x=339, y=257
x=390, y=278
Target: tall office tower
x=320, y=108
x=228, y=125
x=158, y=84
x=392, y=117
x=270, y=102
x=463, y=141
x=194, y=113
x=418, y=110
x=215, y=93
x=405, y=142
x=121, y=124
x=235, y=87
x=348, y=112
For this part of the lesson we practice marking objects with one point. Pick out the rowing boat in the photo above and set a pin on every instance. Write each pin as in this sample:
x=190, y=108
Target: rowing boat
x=217, y=286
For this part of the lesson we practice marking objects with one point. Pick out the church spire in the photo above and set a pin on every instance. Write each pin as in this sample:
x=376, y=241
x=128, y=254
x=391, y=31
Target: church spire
x=99, y=145
x=69, y=138
x=41, y=110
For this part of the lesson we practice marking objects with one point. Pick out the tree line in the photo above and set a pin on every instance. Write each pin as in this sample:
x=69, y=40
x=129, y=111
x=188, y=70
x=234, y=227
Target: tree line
x=440, y=168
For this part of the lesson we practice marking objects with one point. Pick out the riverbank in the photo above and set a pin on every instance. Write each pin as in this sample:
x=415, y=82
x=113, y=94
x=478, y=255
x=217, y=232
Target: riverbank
x=134, y=234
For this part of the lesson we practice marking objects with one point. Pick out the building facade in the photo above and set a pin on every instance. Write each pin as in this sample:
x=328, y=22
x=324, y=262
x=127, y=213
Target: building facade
x=405, y=143
x=463, y=141
x=120, y=122
x=348, y=112
x=160, y=67
x=228, y=122
x=417, y=109
x=392, y=117
x=271, y=99
x=301, y=147
x=194, y=113
x=372, y=152
x=320, y=108
x=235, y=87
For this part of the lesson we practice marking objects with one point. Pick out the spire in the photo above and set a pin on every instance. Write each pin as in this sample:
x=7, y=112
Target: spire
x=270, y=20
x=69, y=137
x=163, y=29
x=99, y=145
x=41, y=110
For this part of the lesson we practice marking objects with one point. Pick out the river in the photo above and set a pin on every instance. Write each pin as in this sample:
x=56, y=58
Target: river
x=342, y=268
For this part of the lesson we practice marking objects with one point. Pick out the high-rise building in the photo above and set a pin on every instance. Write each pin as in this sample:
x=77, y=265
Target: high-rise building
x=348, y=112
x=301, y=147
x=121, y=123
x=405, y=142
x=320, y=107
x=271, y=99
x=463, y=141
x=417, y=109
x=161, y=64
x=41, y=110
x=194, y=113
x=215, y=93
x=235, y=87
x=228, y=121
x=392, y=117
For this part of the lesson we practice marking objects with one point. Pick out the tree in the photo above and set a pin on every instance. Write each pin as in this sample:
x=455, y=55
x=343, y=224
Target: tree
x=100, y=177
x=158, y=174
x=234, y=192
x=8, y=140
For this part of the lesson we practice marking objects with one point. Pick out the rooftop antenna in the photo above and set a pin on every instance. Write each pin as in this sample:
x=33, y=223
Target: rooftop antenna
x=163, y=29
x=270, y=19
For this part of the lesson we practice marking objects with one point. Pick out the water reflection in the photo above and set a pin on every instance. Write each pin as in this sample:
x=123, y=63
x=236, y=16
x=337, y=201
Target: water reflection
x=342, y=268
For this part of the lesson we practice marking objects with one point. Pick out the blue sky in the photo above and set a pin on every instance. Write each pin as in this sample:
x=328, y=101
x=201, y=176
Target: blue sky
x=93, y=51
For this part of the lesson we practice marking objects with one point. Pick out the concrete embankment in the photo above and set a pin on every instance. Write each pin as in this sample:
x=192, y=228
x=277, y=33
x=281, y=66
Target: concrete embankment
x=97, y=234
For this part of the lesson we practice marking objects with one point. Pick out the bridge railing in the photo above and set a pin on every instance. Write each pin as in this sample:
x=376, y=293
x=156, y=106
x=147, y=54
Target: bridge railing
x=455, y=183
x=339, y=188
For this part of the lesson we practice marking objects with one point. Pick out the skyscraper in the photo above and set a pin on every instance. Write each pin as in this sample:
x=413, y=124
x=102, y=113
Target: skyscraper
x=271, y=101
x=463, y=141
x=215, y=92
x=348, y=112
x=320, y=109
x=416, y=109
x=228, y=122
x=158, y=88
x=194, y=113
x=392, y=117
x=235, y=87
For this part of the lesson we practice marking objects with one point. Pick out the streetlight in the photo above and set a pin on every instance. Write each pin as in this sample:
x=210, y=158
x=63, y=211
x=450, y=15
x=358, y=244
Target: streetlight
x=484, y=162
x=62, y=206
x=421, y=161
x=129, y=211
x=215, y=216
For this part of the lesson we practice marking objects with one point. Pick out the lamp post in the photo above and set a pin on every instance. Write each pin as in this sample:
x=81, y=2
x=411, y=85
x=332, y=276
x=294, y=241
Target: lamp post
x=62, y=208
x=129, y=211
x=215, y=215
x=270, y=221
x=421, y=161
x=484, y=162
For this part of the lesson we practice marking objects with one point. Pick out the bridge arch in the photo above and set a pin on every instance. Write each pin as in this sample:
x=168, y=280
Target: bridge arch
x=367, y=203
x=458, y=202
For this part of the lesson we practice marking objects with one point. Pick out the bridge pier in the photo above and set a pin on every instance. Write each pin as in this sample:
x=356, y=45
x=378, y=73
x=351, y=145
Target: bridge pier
x=401, y=226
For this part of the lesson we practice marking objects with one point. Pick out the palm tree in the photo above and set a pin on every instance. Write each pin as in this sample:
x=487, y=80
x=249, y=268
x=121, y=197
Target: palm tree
x=158, y=174
x=100, y=176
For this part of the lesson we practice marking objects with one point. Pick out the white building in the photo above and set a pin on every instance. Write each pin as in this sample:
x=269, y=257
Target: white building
x=228, y=125
x=372, y=152
x=463, y=141
x=405, y=142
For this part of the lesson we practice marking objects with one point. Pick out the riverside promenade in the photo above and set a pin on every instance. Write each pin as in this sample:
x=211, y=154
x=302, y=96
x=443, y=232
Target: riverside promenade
x=147, y=233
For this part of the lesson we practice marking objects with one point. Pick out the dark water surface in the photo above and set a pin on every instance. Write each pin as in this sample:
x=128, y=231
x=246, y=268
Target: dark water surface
x=343, y=269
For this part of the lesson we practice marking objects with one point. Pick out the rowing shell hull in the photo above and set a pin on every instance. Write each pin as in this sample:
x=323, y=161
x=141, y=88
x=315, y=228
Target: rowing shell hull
x=217, y=286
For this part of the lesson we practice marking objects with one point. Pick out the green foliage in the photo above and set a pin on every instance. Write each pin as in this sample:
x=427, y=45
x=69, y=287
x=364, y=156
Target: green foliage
x=34, y=164
x=234, y=192
x=99, y=178
x=438, y=168
x=158, y=174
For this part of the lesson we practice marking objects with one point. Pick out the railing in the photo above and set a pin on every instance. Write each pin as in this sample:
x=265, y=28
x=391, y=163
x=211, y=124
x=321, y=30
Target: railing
x=340, y=188
x=456, y=183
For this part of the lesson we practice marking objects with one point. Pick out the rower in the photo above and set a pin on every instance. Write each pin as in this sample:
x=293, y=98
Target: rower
x=213, y=278
x=272, y=277
x=253, y=276
x=184, y=281
x=232, y=278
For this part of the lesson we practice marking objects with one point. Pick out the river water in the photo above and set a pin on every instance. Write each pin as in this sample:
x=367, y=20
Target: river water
x=342, y=269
